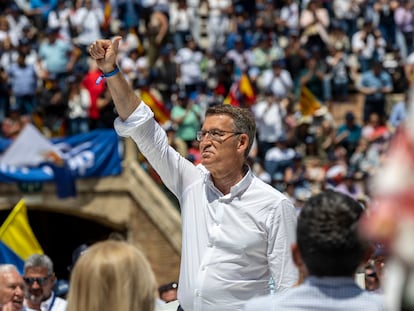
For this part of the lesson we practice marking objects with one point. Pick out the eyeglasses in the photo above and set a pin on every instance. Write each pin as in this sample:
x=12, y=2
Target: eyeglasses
x=215, y=134
x=40, y=281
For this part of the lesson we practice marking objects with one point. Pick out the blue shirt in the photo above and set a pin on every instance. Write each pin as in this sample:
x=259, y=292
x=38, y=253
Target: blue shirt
x=369, y=79
x=321, y=294
x=55, y=55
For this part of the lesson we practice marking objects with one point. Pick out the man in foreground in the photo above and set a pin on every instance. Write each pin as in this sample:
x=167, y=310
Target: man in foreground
x=237, y=230
x=328, y=251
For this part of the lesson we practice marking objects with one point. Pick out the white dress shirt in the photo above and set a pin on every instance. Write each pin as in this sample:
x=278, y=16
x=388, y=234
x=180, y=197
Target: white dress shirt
x=231, y=244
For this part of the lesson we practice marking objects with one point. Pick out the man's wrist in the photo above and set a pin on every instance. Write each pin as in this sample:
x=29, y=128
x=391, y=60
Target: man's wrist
x=109, y=70
x=107, y=75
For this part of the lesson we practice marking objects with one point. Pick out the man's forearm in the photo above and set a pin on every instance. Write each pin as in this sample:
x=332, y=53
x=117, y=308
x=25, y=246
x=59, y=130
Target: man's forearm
x=124, y=97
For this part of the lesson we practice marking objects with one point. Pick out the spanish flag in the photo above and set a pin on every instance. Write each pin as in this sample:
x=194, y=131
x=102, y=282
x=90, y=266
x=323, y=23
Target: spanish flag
x=161, y=113
x=247, y=90
x=17, y=240
x=241, y=93
x=308, y=102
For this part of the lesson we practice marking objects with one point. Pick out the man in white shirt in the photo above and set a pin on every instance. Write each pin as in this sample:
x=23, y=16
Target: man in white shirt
x=39, y=279
x=237, y=230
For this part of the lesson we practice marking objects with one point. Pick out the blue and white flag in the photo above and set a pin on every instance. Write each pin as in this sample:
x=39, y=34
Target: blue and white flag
x=33, y=158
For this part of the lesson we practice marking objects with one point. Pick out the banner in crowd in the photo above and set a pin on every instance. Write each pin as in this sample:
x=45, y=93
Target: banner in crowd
x=31, y=157
x=308, y=102
x=17, y=240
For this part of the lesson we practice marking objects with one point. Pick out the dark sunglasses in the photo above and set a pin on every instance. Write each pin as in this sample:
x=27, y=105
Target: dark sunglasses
x=40, y=281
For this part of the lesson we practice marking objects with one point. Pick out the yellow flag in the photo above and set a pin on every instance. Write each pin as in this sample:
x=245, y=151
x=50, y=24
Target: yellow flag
x=17, y=235
x=308, y=102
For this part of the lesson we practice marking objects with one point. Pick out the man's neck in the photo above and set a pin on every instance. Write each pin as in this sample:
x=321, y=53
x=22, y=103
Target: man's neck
x=226, y=181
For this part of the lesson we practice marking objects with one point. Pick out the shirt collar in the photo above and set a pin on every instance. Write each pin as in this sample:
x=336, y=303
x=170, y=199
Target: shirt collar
x=330, y=281
x=235, y=190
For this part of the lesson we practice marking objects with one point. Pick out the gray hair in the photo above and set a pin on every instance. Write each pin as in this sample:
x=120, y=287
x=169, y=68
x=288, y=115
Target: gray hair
x=6, y=268
x=39, y=260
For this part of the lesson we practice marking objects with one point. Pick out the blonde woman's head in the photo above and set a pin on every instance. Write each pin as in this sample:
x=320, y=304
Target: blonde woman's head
x=112, y=275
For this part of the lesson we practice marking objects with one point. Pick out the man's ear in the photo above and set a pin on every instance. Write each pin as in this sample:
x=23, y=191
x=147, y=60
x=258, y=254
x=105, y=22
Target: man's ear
x=243, y=141
x=297, y=258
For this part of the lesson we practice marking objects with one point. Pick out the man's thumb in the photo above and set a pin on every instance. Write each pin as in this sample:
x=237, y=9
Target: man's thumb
x=115, y=43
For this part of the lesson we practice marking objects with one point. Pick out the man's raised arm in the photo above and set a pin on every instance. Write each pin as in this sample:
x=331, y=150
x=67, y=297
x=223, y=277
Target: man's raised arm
x=105, y=53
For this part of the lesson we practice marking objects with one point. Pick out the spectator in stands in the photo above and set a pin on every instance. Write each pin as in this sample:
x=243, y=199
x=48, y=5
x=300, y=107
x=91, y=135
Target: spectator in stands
x=165, y=73
x=297, y=172
x=79, y=102
x=218, y=22
x=399, y=111
x=369, y=45
x=87, y=20
x=23, y=80
x=314, y=22
x=185, y=115
x=313, y=77
x=241, y=56
x=266, y=17
x=385, y=16
x=17, y=21
x=112, y=275
x=349, y=186
x=338, y=39
x=61, y=18
x=181, y=21
x=11, y=288
x=295, y=55
x=225, y=140
x=329, y=246
x=375, y=84
x=157, y=33
x=39, y=278
x=8, y=53
x=366, y=158
x=265, y=52
x=346, y=14
x=288, y=20
x=189, y=59
x=338, y=74
x=278, y=158
x=58, y=56
x=269, y=113
x=325, y=138
x=376, y=128
x=349, y=133
x=95, y=90
x=277, y=79
x=52, y=103
x=404, y=20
